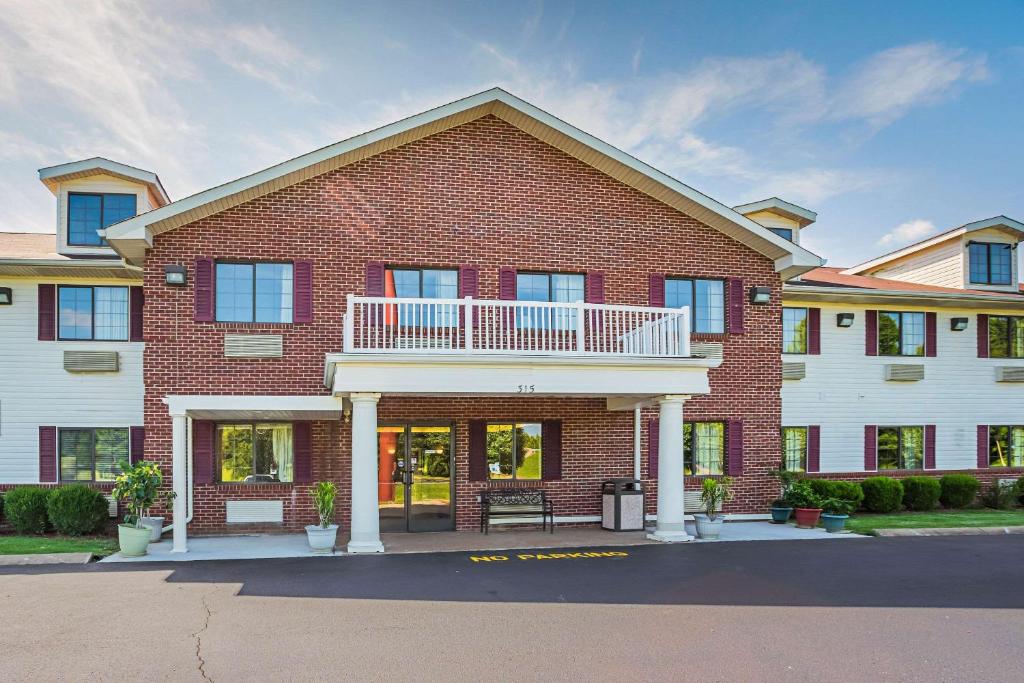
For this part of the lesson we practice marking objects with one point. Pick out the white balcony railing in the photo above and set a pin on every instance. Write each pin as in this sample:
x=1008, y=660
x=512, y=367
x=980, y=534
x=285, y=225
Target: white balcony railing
x=479, y=326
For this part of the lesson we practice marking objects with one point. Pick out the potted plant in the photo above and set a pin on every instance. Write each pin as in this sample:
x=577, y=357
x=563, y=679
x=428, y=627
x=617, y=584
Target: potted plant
x=806, y=502
x=156, y=524
x=137, y=487
x=712, y=495
x=781, y=509
x=322, y=536
x=836, y=512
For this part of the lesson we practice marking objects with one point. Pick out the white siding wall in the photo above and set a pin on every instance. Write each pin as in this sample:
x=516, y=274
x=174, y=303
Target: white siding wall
x=36, y=390
x=845, y=390
x=941, y=266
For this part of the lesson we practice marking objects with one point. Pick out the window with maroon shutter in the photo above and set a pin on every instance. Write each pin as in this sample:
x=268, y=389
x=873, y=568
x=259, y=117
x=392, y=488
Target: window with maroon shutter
x=814, y=331
x=982, y=335
x=202, y=451
x=204, y=289
x=814, y=448
x=135, y=302
x=137, y=441
x=870, y=448
x=302, y=448
x=594, y=287
x=478, y=450
x=551, y=450
x=735, y=306
x=652, y=449
x=47, y=318
x=469, y=285
x=930, y=335
x=657, y=290
x=982, y=462
x=929, y=447
x=47, y=454
x=734, y=444
x=871, y=333
x=302, y=293
x=375, y=279
x=507, y=284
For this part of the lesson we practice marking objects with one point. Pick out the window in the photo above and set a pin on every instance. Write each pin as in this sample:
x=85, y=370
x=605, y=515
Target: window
x=92, y=454
x=514, y=451
x=703, y=448
x=254, y=292
x=255, y=453
x=900, y=334
x=1005, y=336
x=89, y=213
x=794, y=449
x=555, y=287
x=422, y=283
x=1006, y=446
x=785, y=233
x=794, y=330
x=900, y=448
x=706, y=299
x=990, y=264
x=92, y=313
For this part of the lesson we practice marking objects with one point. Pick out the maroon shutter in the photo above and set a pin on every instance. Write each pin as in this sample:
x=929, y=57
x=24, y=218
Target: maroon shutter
x=870, y=450
x=137, y=444
x=47, y=319
x=982, y=445
x=814, y=448
x=734, y=442
x=469, y=282
x=551, y=450
x=374, y=279
x=871, y=333
x=478, y=450
x=507, y=284
x=47, y=454
x=205, y=276
x=657, y=290
x=814, y=331
x=135, y=299
x=735, y=306
x=202, y=451
x=595, y=287
x=302, y=450
x=302, y=292
x=929, y=447
x=982, y=335
x=652, y=449
x=930, y=335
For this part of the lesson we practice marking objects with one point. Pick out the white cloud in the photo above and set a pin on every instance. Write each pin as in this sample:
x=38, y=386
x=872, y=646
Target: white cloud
x=905, y=233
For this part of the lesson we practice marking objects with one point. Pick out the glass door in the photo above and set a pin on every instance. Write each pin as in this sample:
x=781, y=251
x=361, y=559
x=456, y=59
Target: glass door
x=414, y=488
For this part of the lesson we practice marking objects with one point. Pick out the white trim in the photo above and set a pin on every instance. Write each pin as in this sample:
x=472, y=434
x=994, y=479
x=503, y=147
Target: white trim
x=802, y=216
x=51, y=175
x=791, y=291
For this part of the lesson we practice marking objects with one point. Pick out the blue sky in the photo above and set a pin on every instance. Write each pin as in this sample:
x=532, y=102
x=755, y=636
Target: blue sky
x=891, y=120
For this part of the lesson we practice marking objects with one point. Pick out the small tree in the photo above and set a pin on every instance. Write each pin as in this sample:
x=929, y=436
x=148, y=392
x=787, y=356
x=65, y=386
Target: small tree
x=714, y=493
x=138, y=487
x=786, y=480
x=324, y=493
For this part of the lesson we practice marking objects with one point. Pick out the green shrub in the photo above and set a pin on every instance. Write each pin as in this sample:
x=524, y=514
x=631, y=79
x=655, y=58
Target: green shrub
x=1000, y=496
x=921, y=493
x=958, y=490
x=76, y=509
x=801, y=495
x=882, y=494
x=841, y=490
x=1019, y=487
x=26, y=509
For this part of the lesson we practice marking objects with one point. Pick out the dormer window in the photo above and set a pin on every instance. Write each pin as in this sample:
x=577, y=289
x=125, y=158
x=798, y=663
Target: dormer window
x=784, y=233
x=89, y=213
x=990, y=263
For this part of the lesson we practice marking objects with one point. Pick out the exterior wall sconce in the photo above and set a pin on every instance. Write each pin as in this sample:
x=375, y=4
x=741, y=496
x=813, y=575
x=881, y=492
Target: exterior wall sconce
x=844, y=319
x=6, y=296
x=760, y=295
x=174, y=275
x=958, y=324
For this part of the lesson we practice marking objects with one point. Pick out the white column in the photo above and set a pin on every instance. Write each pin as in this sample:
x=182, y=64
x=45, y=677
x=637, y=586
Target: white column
x=671, y=527
x=365, y=515
x=179, y=474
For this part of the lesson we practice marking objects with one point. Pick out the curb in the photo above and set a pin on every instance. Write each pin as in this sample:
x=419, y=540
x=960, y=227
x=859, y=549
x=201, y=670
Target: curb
x=45, y=558
x=953, y=531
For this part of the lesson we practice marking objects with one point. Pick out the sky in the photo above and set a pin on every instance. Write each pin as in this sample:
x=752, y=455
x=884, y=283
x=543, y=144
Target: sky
x=893, y=121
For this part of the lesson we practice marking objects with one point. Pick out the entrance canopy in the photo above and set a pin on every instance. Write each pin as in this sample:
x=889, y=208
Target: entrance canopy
x=221, y=407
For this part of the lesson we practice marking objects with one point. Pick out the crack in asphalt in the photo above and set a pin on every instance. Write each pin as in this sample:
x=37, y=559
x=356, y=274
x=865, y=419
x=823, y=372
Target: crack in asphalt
x=198, y=635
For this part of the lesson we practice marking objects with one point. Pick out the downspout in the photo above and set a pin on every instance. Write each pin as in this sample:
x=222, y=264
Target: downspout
x=188, y=447
x=636, y=442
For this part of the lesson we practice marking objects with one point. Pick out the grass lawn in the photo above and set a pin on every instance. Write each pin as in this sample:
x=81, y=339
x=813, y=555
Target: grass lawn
x=32, y=545
x=863, y=523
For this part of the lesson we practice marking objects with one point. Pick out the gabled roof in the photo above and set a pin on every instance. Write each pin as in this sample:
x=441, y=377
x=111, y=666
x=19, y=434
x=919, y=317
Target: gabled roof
x=52, y=175
x=131, y=238
x=780, y=206
x=1008, y=225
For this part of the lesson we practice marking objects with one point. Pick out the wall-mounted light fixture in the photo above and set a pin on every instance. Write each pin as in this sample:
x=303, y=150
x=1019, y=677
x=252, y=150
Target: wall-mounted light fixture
x=6, y=296
x=958, y=324
x=844, y=319
x=760, y=295
x=174, y=275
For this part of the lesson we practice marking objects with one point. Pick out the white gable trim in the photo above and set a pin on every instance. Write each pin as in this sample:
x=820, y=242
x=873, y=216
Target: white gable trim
x=52, y=175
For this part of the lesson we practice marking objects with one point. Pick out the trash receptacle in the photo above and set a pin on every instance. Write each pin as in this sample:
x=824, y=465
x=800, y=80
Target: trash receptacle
x=622, y=505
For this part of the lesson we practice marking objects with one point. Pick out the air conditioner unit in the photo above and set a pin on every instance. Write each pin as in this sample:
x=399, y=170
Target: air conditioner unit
x=794, y=370
x=91, y=361
x=710, y=350
x=253, y=346
x=111, y=506
x=1010, y=373
x=901, y=372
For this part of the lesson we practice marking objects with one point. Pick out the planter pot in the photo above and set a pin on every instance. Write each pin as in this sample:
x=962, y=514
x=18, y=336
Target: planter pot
x=155, y=526
x=709, y=528
x=322, y=540
x=807, y=518
x=133, y=541
x=834, y=523
x=781, y=515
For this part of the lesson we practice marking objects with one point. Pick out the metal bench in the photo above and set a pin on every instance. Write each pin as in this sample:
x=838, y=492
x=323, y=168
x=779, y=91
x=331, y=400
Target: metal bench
x=516, y=503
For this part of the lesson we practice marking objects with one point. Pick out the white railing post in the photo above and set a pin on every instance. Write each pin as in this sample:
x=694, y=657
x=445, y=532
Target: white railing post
x=683, y=326
x=348, y=343
x=581, y=326
x=468, y=324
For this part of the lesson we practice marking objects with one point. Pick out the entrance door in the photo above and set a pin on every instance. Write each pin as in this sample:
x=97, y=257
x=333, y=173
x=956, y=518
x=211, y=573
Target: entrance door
x=414, y=489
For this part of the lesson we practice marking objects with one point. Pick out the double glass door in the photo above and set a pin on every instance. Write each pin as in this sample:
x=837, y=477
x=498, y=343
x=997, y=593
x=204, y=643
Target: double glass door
x=414, y=486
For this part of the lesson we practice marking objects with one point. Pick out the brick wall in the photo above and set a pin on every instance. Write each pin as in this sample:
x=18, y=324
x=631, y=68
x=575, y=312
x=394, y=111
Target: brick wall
x=484, y=194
